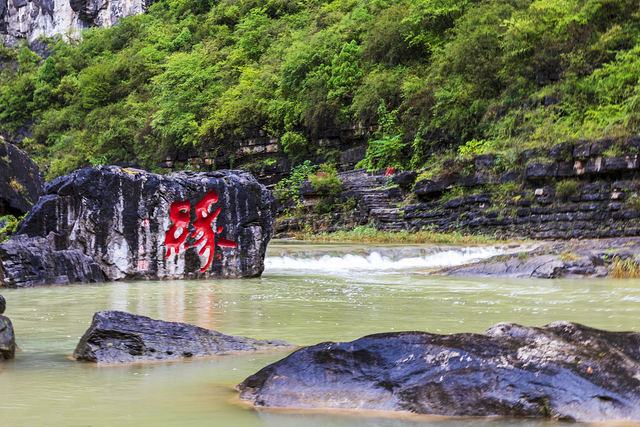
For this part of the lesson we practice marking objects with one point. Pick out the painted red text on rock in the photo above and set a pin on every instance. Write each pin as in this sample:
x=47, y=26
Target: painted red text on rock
x=179, y=214
x=203, y=227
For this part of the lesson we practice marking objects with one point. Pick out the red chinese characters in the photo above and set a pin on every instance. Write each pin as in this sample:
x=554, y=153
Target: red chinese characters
x=179, y=214
x=203, y=227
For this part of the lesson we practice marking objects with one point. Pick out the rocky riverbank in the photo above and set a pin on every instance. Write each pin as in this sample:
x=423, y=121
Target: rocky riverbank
x=579, y=191
x=552, y=260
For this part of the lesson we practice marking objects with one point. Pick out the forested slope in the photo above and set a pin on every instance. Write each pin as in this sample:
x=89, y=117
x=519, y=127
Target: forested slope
x=490, y=76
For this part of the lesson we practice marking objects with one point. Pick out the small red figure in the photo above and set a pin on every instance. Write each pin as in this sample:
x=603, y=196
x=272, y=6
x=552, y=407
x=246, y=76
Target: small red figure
x=203, y=225
x=179, y=214
x=390, y=171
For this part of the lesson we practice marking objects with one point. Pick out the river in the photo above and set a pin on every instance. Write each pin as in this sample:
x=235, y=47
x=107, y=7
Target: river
x=308, y=294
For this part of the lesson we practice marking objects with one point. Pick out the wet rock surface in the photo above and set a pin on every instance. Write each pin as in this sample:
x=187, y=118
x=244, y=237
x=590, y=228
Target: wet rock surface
x=545, y=266
x=7, y=335
x=563, y=370
x=117, y=337
x=30, y=262
x=20, y=182
x=131, y=224
x=552, y=260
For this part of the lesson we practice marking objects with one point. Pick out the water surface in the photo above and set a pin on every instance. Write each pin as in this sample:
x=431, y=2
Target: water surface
x=308, y=294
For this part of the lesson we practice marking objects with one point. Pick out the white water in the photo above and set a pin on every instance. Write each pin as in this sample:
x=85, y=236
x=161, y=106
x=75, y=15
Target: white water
x=378, y=262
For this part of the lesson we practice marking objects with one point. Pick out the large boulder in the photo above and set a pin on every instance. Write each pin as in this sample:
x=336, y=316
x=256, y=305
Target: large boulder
x=136, y=225
x=117, y=336
x=20, y=182
x=563, y=370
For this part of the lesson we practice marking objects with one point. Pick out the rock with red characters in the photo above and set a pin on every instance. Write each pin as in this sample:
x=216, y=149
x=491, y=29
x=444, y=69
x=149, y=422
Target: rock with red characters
x=136, y=225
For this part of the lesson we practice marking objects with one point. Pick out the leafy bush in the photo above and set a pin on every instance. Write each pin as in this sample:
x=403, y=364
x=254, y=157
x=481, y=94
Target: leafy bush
x=471, y=148
x=432, y=74
x=326, y=179
x=288, y=189
x=294, y=144
x=10, y=224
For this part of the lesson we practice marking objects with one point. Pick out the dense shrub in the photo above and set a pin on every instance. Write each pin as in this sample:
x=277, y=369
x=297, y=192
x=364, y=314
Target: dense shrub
x=513, y=74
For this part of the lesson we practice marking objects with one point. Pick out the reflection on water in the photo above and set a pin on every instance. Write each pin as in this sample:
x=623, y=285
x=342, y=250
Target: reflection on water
x=43, y=387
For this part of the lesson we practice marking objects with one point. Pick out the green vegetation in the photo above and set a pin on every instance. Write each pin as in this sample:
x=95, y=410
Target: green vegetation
x=368, y=234
x=10, y=224
x=567, y=188
x=624, y=269
x=326, y=180
x=289, y=188
x=443, y=77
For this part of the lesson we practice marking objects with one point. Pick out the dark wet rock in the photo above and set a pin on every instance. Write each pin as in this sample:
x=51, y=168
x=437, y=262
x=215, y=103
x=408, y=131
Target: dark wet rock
x=405, y=179
x=537, y=171
x=509, y=176
x=20, y=182
x=582, y=150
x=7, y=339
x=427, y=187
x=117, y=337
x=120, y=219
x=7, y=335
x=561, y=152
x=30, y=262
x=484, y=162
x=562, y=370
x=545, y=266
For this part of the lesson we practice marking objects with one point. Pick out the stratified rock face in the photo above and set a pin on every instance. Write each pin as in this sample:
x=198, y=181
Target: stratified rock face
x=30, y=19
x=20, y=182
x=562, y=370
x=7, y=339
x=116, y=337
x=132, y=225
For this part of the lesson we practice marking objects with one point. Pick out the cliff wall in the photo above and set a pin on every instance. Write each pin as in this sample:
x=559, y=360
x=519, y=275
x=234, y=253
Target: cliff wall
x=31, y=19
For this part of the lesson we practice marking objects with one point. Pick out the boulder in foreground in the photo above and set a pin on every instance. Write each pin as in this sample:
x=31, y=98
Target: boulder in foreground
x=563, y=371
x=117, y=337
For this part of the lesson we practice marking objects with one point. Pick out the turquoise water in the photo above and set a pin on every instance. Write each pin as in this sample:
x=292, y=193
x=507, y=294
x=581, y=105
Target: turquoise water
x=344, y=295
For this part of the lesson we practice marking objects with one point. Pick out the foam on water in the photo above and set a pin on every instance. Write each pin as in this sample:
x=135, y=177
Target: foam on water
x=376, y=261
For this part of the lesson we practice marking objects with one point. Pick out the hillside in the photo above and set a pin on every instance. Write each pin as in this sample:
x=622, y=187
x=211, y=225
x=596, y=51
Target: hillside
x=434, y=79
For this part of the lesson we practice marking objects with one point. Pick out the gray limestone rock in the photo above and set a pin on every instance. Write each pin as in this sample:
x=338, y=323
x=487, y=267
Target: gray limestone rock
x=544, y=267
x=563, y=371
x=34, y=18
x=117, y=337
x=141, y=226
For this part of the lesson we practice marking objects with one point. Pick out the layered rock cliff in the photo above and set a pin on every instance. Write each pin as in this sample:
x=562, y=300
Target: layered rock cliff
x=31, y=19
